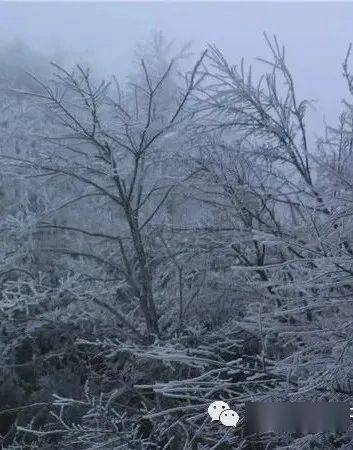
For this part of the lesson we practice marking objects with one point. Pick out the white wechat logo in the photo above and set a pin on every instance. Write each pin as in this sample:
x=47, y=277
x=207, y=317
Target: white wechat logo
x=221, y=411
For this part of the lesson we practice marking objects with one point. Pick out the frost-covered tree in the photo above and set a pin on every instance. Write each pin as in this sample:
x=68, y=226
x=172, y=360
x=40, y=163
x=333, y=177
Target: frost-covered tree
x=110, y=144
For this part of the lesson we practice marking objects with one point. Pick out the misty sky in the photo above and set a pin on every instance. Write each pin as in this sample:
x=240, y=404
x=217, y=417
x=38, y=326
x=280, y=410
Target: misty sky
x=316, y=35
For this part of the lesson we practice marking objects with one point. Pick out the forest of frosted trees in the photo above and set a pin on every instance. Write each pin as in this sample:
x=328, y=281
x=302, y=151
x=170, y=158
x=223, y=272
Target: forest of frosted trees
x=169, y=241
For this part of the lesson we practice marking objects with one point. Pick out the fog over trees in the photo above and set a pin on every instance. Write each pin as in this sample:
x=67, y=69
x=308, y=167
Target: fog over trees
x=170, y=239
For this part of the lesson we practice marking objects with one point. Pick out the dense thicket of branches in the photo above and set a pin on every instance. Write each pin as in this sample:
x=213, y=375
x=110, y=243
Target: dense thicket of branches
x=169, y=242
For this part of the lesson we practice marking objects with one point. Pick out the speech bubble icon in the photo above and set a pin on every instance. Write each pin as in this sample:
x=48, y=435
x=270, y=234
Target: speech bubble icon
x=229, y=418
x=215, y=409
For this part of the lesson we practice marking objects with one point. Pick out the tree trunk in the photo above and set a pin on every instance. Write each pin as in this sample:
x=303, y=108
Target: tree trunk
x=146, y=293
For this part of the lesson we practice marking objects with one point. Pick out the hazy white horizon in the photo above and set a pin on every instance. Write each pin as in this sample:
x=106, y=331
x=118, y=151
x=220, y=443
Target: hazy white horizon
x=316, y=36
